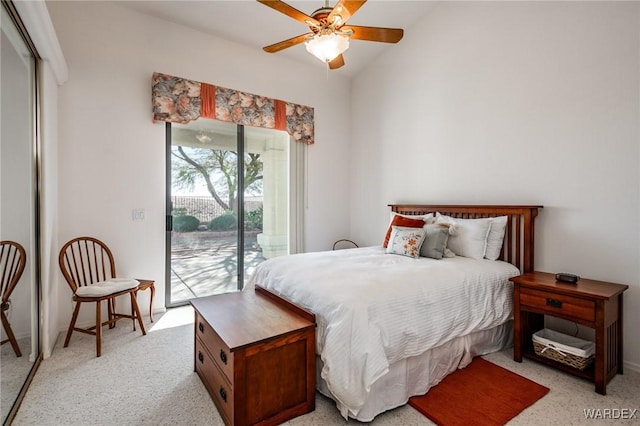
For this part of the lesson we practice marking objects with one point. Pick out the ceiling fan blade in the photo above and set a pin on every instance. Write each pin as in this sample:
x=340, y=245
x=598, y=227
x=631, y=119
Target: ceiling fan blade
x=337, y=62
x=344, y=10
x=276, y=47
x=290, y=11
x=385, y=35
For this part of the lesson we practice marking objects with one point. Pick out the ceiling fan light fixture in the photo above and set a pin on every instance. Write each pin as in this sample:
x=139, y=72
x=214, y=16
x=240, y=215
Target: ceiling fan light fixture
x=203, y=138
x=327, y=47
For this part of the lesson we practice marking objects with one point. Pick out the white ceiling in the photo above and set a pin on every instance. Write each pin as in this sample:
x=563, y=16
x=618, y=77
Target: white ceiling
x=255, y=25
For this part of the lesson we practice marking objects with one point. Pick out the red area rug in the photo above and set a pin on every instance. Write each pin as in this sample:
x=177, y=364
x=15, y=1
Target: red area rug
x=480, y=394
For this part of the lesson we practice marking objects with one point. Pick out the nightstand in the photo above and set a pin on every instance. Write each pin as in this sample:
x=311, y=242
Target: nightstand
x=595, y=304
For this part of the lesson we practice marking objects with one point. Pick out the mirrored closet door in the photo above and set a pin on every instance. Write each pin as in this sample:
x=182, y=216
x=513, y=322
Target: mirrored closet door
x=20, y=332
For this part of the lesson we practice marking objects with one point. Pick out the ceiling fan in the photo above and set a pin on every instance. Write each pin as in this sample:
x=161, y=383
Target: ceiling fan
x=329, y=36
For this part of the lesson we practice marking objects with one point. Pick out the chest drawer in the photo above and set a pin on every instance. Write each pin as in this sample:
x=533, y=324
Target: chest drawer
x=215, y=382
x=560, y=305
x=221, y=354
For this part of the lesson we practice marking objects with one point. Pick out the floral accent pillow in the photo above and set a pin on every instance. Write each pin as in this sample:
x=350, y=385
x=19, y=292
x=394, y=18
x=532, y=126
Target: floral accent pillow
x=406, y=241
x=407, y=222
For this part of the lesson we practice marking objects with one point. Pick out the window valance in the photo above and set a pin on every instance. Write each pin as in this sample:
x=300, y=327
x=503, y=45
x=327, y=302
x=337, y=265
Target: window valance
x=179, y=100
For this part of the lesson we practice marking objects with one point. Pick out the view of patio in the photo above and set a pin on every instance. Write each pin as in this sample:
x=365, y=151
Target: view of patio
x=206, y=192
x=205, y=263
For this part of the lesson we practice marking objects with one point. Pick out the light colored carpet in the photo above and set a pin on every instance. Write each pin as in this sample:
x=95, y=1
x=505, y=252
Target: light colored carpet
x=150, y=381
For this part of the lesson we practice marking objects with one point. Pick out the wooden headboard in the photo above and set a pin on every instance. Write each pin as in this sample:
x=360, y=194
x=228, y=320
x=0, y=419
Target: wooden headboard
x=518, y=247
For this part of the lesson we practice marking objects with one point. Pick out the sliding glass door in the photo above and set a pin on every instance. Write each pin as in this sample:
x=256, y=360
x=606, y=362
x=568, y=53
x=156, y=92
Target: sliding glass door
x=228, y=205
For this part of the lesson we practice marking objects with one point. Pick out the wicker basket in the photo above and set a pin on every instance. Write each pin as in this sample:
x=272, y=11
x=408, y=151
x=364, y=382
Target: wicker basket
x=568, y=350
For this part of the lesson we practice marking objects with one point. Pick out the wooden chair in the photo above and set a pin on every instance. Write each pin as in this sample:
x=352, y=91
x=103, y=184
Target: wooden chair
x=12, y=261
x=89, y=268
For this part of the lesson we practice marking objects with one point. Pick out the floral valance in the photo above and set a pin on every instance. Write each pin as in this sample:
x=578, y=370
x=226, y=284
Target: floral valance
x=179, y=101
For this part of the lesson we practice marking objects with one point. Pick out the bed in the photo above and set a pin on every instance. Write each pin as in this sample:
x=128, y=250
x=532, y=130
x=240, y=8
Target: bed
x=390, y=327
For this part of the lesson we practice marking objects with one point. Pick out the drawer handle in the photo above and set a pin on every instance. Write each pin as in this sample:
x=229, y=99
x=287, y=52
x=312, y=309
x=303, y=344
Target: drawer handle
x=223, y=356
x=555, y=303
x=201, y=327
x=223, y=394
x=200, y=357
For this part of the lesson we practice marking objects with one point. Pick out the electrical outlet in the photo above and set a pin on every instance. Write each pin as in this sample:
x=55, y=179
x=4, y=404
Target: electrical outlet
x=137, y=214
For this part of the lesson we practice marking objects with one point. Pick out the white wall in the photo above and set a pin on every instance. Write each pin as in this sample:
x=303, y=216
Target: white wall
x=50, y=244
x=513, y=103
x=112, y=157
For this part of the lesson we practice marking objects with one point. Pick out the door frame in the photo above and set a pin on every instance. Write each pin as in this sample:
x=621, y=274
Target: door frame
x=297, y=204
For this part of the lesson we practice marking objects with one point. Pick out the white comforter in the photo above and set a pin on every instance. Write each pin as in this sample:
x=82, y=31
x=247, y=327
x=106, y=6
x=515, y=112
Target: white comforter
x=373, y=309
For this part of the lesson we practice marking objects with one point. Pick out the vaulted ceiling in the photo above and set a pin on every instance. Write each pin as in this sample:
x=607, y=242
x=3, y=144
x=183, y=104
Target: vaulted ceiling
x=255, y=25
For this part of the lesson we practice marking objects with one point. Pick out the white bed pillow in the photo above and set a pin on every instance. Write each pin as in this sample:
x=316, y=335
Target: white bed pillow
x=406, y=241
x=495, y=240
x=470, y=236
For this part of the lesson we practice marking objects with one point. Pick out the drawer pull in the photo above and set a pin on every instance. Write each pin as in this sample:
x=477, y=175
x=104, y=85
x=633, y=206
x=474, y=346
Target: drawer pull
x=223, y=394
x=201, y=327
x=223, y=356
x=200, y=357
x=555, y=303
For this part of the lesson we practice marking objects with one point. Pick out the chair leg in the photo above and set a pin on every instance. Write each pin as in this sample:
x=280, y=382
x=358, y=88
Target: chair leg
x=98, y=329
x=72, y=324
x=133, y=318
x=10, y=335
x=111, y=310
x=153, y=292
x=134, y=304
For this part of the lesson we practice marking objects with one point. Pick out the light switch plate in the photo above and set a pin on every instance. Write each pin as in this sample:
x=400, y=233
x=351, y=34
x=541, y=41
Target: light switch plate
x=137, y=214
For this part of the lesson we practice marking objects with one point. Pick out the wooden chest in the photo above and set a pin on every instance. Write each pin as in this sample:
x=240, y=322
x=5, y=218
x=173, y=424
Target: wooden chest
x=255, y=354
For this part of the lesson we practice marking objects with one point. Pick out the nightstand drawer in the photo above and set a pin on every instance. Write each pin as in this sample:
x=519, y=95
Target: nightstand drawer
x=558, y=304
x=215, y=382
x=220, y=353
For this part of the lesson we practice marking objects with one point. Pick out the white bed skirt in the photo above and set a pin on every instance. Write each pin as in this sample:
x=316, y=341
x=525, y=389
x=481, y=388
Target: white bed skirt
x=416, y=375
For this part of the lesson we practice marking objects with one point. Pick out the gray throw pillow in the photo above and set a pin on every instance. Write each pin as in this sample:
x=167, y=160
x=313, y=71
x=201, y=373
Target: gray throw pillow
x=435, y=241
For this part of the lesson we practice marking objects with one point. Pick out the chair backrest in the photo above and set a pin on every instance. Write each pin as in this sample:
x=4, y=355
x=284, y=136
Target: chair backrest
x=85, y=261
x=344, y=244
x=12, y=261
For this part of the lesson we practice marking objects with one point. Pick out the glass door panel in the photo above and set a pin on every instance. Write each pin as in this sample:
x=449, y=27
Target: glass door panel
x=19, y=331
x=204, y=238
x=206, y=203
